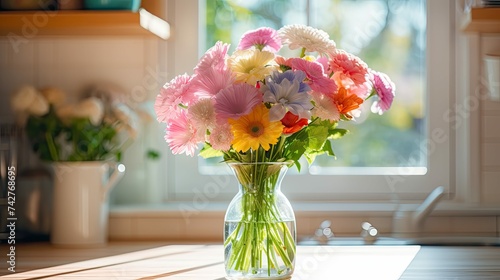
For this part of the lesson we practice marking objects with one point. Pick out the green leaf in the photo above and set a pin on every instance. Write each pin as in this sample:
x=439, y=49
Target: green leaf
x=295, y=149
x=153, y=154
x=317, y=135
x=208, y=152
x=337, y=133
x=327, y=148
x=297, y=164
x=119, y=156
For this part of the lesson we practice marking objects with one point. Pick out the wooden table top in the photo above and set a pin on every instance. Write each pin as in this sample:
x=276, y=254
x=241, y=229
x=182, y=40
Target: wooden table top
x=119, y=260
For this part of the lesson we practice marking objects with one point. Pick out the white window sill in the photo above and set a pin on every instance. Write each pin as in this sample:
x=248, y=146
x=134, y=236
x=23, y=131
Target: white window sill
x=443, y=208
x=185, y=222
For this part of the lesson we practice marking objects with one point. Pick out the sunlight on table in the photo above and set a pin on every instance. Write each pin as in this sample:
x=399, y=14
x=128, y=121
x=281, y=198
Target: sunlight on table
x=207, y=262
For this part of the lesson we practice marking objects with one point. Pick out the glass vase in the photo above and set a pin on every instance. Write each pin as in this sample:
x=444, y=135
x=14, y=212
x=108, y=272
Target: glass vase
x=259, y=235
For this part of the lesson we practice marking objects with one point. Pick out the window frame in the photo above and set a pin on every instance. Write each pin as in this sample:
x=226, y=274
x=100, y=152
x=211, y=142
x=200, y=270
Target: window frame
x=182, y=52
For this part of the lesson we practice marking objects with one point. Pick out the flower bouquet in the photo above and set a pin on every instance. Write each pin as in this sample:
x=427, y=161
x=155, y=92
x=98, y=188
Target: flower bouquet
x=255, y=107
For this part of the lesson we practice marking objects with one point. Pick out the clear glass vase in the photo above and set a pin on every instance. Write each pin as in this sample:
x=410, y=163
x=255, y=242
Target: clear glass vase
x=259, y=235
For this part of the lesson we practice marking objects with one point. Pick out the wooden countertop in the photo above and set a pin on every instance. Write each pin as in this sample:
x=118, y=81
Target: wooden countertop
x=146, y=260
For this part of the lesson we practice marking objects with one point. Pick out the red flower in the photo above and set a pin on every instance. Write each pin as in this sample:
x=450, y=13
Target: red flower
x=292, y=123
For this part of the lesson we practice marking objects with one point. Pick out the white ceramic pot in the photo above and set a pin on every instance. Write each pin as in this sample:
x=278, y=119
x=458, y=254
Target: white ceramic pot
x=81, y=203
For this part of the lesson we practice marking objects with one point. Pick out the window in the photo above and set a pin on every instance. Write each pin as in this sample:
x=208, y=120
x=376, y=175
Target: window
x=391, y=39
x=401, y=155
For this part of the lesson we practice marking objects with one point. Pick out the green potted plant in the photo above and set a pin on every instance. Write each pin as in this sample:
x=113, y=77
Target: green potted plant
x=83, y=143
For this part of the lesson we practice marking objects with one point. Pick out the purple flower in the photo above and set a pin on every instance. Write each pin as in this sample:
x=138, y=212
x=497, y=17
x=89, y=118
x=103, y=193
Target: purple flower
x=385, y=89
x=264, y=38
x=298, y=75
x=287, y=92
x=208, y=82
x=235, y=101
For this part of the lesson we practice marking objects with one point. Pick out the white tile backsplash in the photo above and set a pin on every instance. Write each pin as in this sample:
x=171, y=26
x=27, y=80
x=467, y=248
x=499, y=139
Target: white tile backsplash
x=13, y=78
x=45, y=53
x=150, y=51
x=489, y=105
x=75, y=79
x=22, y=58
x=491, y=154
x=46, y=75
x=490, y=187
x=73, y=63
x=98, y=52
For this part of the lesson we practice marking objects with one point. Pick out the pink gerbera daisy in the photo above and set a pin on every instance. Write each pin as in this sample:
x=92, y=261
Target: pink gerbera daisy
x=221, y=137
x=181, y=135
x=316, y=77
x=176, y=92
x=264, y=38
x=385, y=89
x=202, y=113
x=210, y=81
x=235, y=101
x=215, y=57
x=349, y=69
x=323, y=60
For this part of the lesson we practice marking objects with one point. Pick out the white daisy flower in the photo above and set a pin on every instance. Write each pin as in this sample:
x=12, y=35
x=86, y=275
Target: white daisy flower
x=29, y=100
x=302, y=36
x=53, y=95
x=91, y=108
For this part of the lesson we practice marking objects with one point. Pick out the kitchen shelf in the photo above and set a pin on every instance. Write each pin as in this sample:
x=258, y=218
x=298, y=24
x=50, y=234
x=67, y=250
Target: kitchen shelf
x=482, y=20
x=81, y=22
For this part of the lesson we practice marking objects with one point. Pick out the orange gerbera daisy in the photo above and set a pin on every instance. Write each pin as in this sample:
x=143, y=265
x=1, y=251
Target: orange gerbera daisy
x=346, y=102
x=254, y=130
